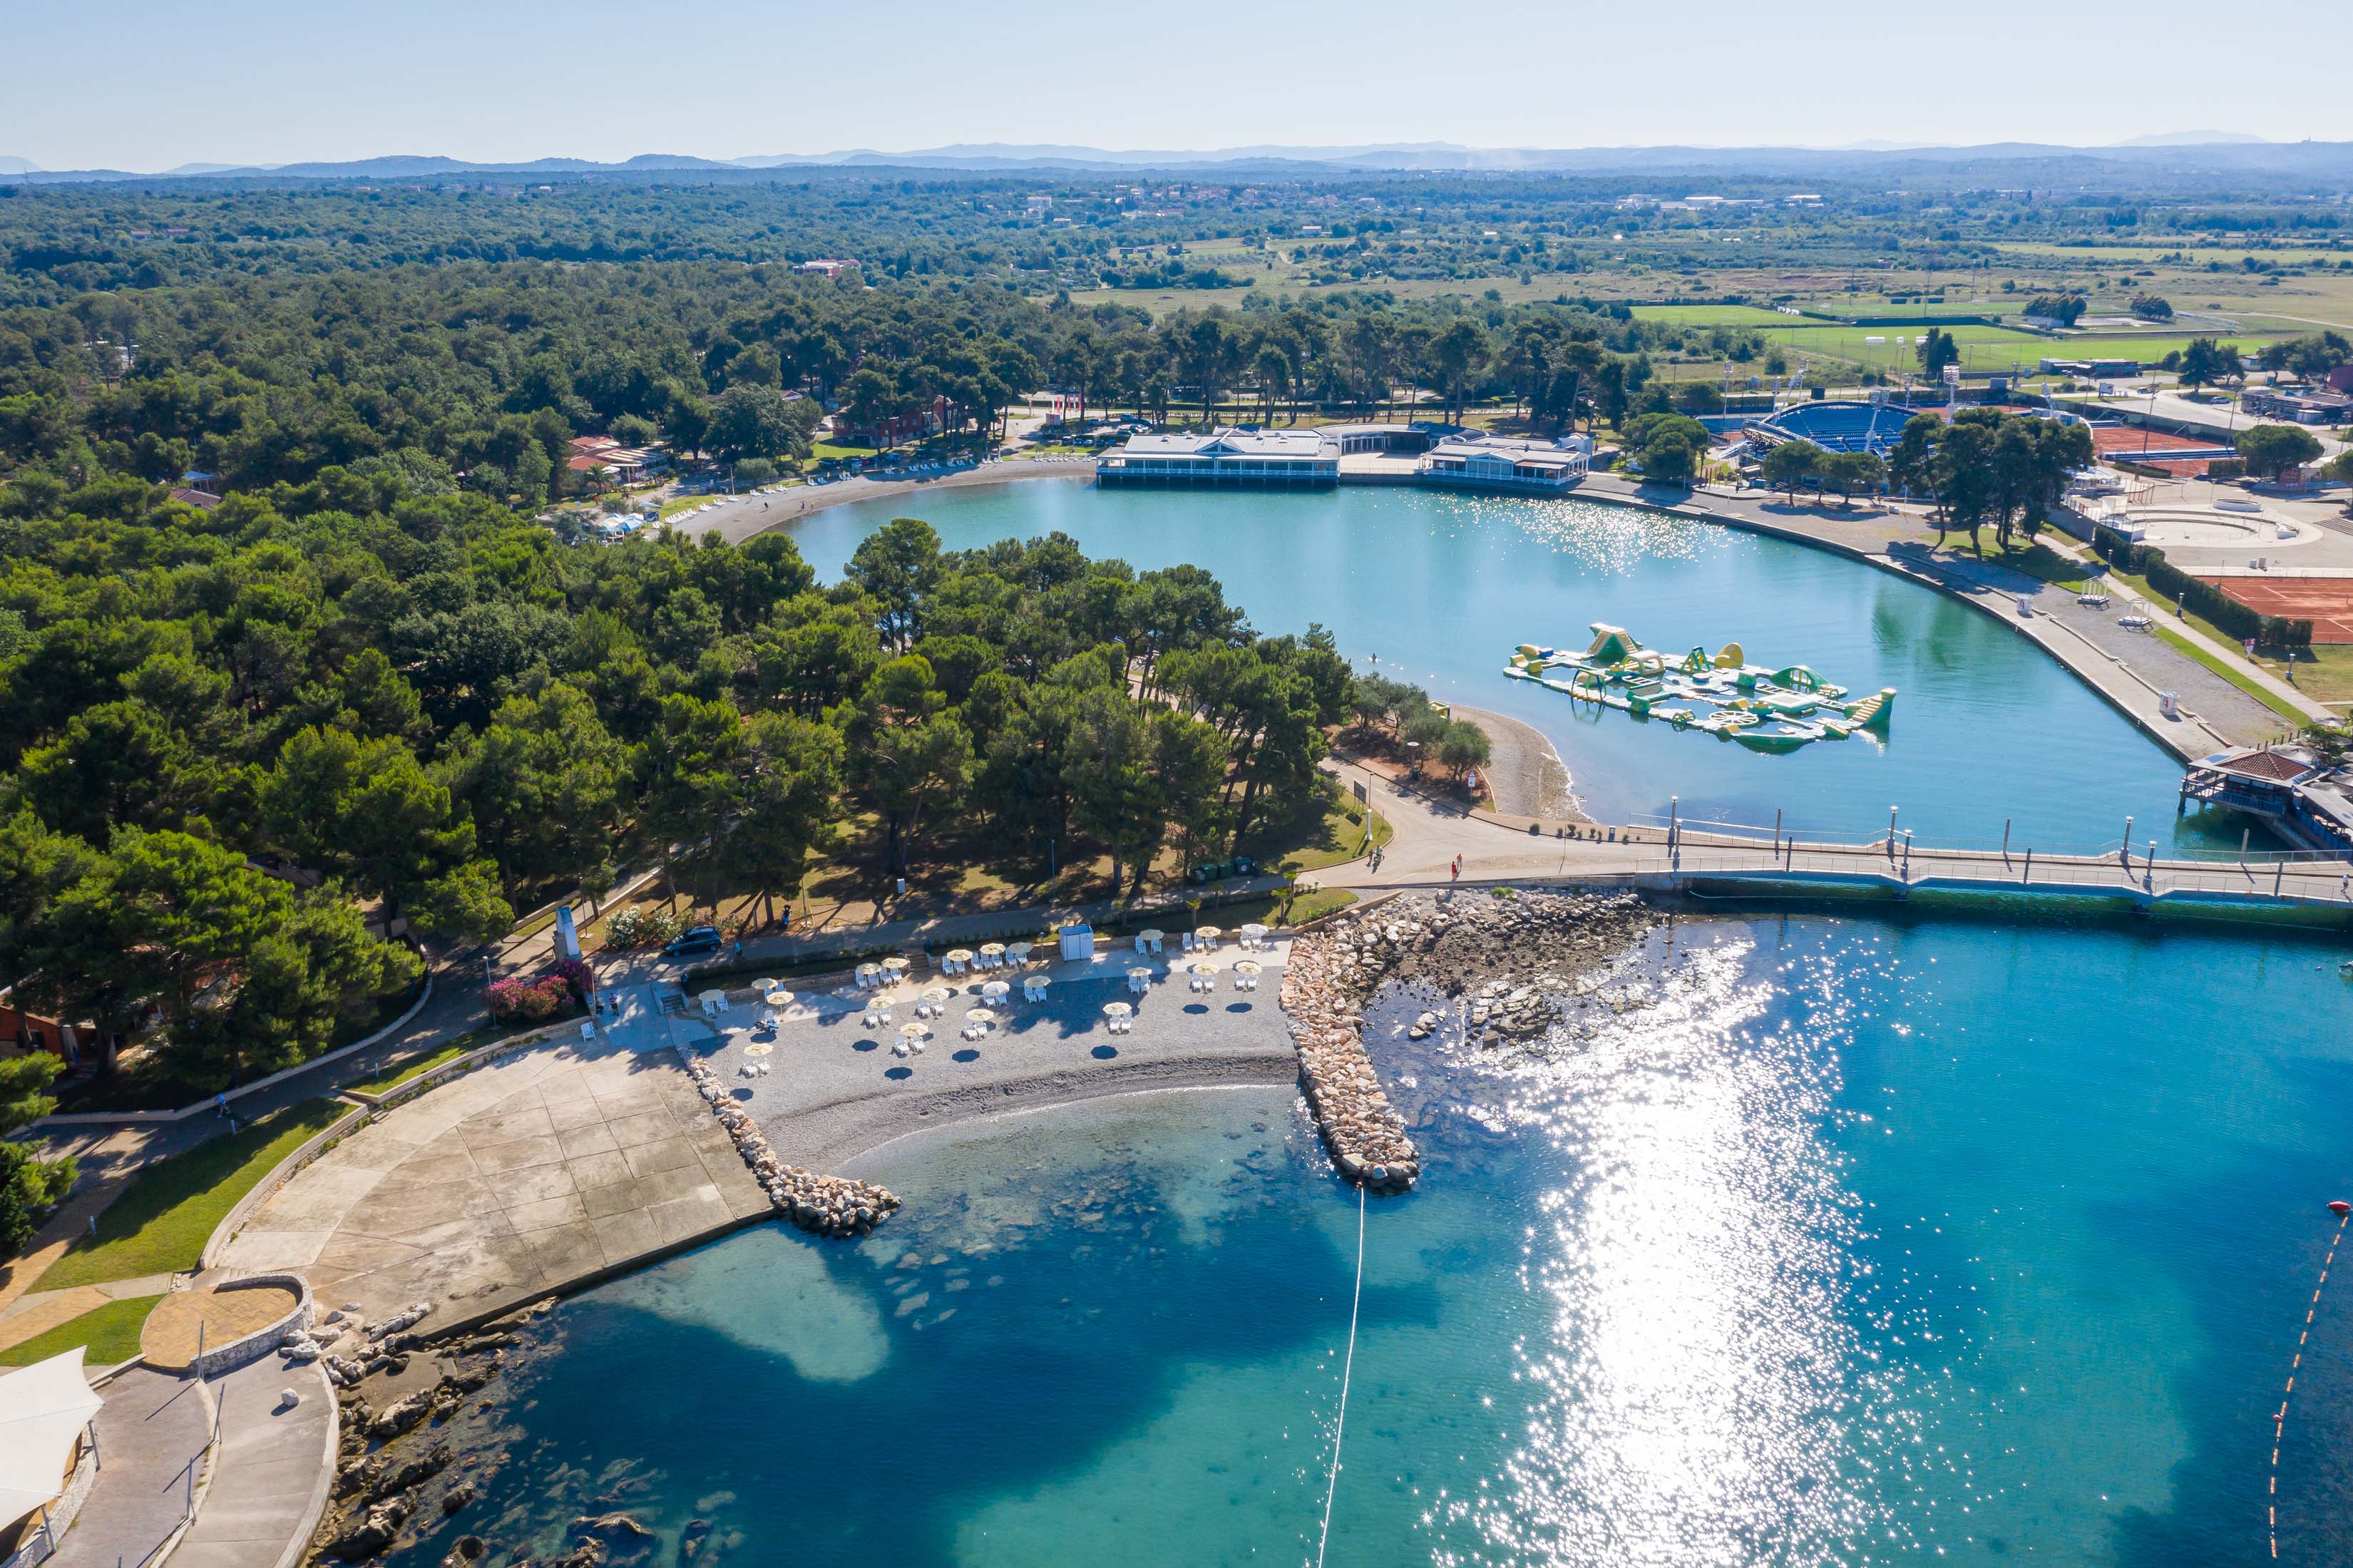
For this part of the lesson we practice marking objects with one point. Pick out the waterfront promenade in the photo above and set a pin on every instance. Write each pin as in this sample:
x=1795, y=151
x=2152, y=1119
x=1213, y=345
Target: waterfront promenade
x=1430, y=832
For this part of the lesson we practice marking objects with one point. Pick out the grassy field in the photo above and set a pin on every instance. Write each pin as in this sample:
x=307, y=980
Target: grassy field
x=2322, y=672
x=1341, y=838
x=401, y=1072
x=1714, y=316
x=2180, y=644
x=111, y=1332
x=2199, y=255
x=171, y=1208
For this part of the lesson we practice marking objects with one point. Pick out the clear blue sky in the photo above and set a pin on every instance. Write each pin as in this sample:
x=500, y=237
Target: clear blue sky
x=149, y=84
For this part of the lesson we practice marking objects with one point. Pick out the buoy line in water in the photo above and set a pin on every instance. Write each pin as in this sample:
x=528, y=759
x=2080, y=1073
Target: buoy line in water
x=1347, y=1365
x=2279, y=1421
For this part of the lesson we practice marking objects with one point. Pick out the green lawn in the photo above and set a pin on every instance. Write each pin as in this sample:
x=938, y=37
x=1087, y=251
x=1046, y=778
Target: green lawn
x=402, y=1072
x=1714, y=316
x=164, y=1220
x=2278, y=705
x=111, y=1332
x=1337, y=838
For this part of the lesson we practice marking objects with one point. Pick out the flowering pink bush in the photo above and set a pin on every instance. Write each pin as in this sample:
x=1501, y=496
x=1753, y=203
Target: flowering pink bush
x=578, y=977
x=516, y=1000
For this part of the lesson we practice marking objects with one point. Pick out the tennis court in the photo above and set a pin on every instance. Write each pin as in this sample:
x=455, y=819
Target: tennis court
x=2326, y=602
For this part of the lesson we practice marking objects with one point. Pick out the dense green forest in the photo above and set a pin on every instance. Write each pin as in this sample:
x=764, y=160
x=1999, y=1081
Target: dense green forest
x=367, y=686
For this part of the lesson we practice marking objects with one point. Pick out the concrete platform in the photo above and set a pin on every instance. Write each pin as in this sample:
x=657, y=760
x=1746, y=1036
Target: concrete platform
x=270, y=1473
x=550, y=1168
x=184, y=1320
x=151, y=1442
x=835, y=1089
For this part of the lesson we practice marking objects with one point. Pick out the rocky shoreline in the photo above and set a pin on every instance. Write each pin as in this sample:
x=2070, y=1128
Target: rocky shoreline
x=829, y=1205
x=1524, y=943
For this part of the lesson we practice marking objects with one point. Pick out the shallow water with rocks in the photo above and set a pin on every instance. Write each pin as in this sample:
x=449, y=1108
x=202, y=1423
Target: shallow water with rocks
x=1785, y=1241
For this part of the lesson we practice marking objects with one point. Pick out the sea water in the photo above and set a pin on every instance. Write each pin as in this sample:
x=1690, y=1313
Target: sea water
x=1810, y=1241
x=1988, y=732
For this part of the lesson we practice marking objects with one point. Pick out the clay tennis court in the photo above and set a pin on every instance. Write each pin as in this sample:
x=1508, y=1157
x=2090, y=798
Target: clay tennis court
x=2326, y=602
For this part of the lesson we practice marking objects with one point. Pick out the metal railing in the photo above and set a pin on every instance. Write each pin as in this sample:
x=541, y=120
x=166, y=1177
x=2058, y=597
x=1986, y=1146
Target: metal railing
x=2113, y=870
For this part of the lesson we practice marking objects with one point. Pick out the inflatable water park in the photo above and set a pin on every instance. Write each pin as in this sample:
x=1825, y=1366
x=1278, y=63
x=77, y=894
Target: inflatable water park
x=1724, y=695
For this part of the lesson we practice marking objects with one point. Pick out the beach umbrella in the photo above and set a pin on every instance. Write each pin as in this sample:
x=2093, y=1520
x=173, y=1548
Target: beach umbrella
x=1019, y=950
x=995, y=989
x=1247, y=966
x=1209, y=933
x=1117, y=1009
x=980, y=1015
x=992, y=949
x=897, y=966
x=778, y=998
x=758, y=1048
x=1206, y=970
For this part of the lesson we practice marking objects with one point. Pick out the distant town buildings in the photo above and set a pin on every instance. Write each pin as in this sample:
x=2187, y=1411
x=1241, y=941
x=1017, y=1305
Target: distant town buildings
x=827, y=267
x=2330, y=407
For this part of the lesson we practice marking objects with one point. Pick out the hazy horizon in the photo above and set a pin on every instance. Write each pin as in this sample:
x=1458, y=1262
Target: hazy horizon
x=252, y=82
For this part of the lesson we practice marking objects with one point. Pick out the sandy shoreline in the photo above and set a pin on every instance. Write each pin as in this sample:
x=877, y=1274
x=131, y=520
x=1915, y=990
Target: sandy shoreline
x=749, y=516
x=1525, y=770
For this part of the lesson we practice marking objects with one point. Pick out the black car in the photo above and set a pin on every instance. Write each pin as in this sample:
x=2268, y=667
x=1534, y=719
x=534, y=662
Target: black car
x=700, y=940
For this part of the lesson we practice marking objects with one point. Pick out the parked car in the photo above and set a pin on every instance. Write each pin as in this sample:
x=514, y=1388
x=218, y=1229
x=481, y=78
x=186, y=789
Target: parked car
x=694, y=943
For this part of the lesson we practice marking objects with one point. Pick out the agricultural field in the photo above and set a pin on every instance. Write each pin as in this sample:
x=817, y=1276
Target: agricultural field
x=2229, y=255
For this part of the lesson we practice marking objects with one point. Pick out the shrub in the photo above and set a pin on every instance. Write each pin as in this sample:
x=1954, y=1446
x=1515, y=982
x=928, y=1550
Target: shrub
x=578, y=977
x=2195, y=594
x=647, y=927
x=516, y=1000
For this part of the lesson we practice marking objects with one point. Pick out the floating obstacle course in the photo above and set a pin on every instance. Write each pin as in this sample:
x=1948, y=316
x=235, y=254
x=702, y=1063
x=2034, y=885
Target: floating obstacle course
x=1724, y=695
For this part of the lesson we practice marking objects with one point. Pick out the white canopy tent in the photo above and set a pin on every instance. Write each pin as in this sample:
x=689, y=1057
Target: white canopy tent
x=43, y=1408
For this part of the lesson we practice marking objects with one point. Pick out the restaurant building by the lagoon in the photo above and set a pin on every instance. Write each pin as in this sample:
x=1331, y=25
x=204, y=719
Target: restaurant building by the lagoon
x=1441, y=457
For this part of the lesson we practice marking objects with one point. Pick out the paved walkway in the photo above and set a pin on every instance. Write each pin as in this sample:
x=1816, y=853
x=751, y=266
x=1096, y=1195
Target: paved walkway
x=929, y=932
x=151, y=1440
x=187, y=1320
x=1430, y=833
x=554, y=1165
x=835, y=1089
x=2129, y=668
x=272, y=1472
x=37, y=1312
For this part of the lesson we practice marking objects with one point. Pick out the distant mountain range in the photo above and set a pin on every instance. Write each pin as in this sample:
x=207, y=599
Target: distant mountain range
x=2181, y=149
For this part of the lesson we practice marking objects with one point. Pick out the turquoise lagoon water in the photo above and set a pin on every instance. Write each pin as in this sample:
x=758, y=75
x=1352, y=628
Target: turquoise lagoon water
x=1442, y=588
x=1864, y=1242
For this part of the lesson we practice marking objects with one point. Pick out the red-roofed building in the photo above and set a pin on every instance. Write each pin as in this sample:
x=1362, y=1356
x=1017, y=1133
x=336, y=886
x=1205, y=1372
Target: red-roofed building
x=626, y=465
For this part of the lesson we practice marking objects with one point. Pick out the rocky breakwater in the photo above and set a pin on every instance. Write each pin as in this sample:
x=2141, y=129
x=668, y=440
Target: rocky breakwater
x=829, y=1205
x=1516, y=947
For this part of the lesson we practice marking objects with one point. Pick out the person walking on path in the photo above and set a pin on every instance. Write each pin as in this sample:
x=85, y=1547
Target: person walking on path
x=1457, y=868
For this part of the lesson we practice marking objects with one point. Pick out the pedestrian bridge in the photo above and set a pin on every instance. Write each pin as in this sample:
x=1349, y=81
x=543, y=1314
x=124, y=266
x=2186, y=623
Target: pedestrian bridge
x=1681, y=857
